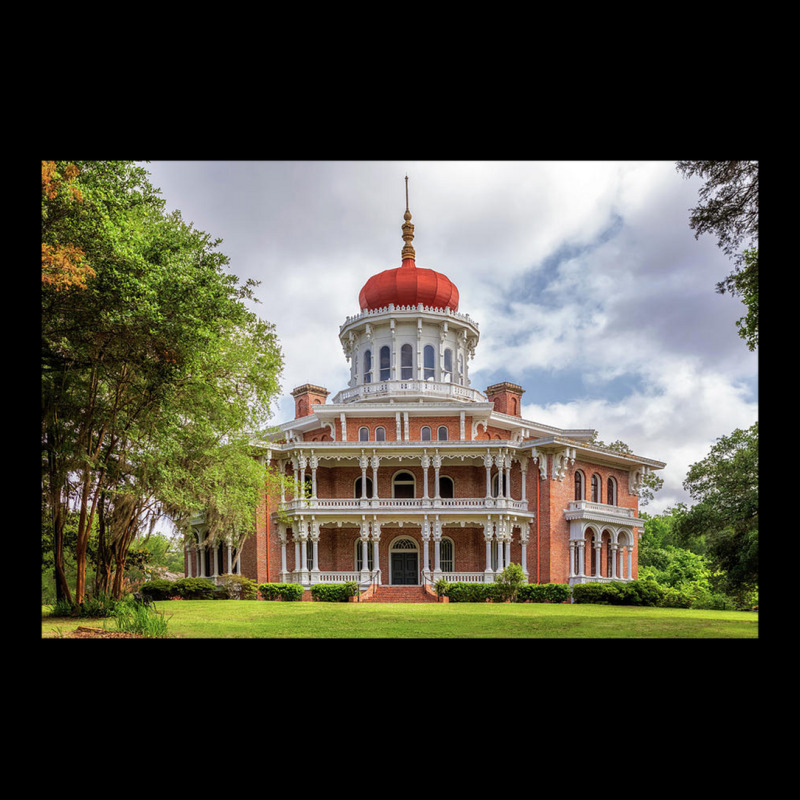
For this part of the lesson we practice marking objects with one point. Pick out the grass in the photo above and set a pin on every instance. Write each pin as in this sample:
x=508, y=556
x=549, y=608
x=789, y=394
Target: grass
x=251, y=619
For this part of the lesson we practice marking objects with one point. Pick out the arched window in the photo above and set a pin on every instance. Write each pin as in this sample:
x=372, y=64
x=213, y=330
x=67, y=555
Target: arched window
x=367, y=366
x=403, y=485
x=596, y=488
x=429, y=368
x=461, y=369
x=385, y=363
x=497, y=484
x=611, y=492
x=446, y=486
x=578, y=485
x=441, y=434
x=448, y=365
x=357, y=488
x=406, y=362
x=425, y=433
x=447, y=555
x=363, y=434
x=380, y=434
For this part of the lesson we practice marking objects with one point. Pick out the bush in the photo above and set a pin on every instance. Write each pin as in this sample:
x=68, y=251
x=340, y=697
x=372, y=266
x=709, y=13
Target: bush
x=281, y=591
x=544, y=593
x=714, y=601
x=674, y=598
x=237, y=587
x=193, y=588
x=598, y=593
x=509, y=582
x=334, y=592
x=460, y=592
x=619, y=593
x=158, y=589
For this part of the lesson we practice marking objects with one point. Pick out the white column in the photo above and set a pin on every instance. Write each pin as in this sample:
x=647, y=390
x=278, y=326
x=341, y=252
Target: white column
x=500, y=536
x=314, y=551
x=191, y=552
x=571, y=558
x=230, y=556
x=582, y=558
x=364, y=463
x=487, y=537
x=283, y=537
x=303, y=551
x=487, y=462
x=296, y=538
x=524, y=536
x=376, y=538
x=364, y=551
x=630, y=562
x=598, y=557
x=375, y=463
x=613, y=560
x=426, y=462
x=507, y=462
x=523, y=465
x=437, y=541
x=509, y=534
x=437, y=463
x=314, y=464
x=426, y=535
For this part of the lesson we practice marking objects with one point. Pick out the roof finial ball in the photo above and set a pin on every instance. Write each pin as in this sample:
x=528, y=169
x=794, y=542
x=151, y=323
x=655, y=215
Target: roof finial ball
x=408, y=233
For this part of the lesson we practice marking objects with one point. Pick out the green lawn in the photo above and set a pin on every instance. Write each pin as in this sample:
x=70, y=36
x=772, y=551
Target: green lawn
x=232, y=619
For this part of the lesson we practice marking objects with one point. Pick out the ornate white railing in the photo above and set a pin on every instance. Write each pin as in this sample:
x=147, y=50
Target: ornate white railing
x=406, y=504
x=442, y=389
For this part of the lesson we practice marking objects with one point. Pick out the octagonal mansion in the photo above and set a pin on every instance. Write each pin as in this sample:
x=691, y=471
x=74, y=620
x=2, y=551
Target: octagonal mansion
x=410, y=474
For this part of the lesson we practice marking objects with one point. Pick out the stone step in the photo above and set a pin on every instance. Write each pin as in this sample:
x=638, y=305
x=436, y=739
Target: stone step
x=401, y=594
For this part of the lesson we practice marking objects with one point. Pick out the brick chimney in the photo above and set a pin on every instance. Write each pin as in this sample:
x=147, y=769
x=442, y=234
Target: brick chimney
x=506, y=397
x=306, y=397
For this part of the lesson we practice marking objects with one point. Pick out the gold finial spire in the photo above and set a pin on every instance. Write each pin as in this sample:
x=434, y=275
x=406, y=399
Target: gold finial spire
x=408, y=231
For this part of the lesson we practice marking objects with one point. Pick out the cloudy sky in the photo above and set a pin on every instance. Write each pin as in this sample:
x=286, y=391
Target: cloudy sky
x=588, y=285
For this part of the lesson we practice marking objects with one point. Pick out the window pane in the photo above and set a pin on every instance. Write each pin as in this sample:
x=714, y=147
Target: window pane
x=385, y=362
x=442, y=433
x=367, y=366
x=425, y=435
x=406, y=363
x=380, y=435
x=429, y=371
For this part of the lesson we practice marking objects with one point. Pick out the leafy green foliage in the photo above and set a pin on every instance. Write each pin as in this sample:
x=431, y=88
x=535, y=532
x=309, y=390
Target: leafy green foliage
x=281, y=591
x=509, y=582
x=544, y=593
x=334, y=592
x=725, y=517
x=156, y=376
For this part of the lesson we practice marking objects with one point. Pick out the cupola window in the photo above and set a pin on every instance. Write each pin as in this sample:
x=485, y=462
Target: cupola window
x=441, y=434
x=406, y=363
x=385, y=363
x=367, y=366
x=448, y=366
x=425, y=433
x=429, y=370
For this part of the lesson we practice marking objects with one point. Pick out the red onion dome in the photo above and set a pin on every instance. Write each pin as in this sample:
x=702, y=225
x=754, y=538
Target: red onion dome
x=408, y=285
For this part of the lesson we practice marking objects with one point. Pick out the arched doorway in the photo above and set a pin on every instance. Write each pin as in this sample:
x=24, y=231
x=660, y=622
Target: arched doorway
x=404, y=562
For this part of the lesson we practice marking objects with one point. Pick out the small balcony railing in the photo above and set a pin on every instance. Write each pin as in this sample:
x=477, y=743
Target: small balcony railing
x=406, y=504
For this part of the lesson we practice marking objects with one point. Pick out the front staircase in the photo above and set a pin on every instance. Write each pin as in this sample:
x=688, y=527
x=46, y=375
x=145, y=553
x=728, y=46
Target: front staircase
x=399, y=594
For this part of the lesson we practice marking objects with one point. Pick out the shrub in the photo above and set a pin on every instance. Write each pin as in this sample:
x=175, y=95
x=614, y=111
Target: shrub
x=194, y=588
x=460, y=592
x=334, y=592
x=544, y=593
x=599, y=593
x=281, y=591
x=714, y=601
x=237, y=587
x=674, y=598
x=509, y=582
x=158, y=589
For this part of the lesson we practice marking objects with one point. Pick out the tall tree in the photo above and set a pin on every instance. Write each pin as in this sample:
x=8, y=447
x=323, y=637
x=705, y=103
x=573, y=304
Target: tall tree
x=725, y=517
x=129, y=356
x=729, y=210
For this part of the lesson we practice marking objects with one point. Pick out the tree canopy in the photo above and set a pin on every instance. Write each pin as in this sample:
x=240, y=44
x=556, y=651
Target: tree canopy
x=156, y=378
x=725, y=516
x=729, y=211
